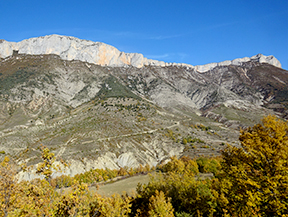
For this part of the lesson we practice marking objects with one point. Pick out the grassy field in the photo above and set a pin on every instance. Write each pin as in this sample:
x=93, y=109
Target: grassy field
x=126, y=185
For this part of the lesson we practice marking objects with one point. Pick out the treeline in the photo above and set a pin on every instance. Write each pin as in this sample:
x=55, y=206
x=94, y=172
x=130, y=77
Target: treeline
x=41, y=197
x=95, y=176
x=251, y=180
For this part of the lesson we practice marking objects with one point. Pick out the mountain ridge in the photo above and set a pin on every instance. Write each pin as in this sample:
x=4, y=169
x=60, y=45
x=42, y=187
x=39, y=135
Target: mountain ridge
x=72, y=48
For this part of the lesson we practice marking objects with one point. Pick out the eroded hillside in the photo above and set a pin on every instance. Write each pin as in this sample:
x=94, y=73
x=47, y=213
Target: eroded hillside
x=96, y=116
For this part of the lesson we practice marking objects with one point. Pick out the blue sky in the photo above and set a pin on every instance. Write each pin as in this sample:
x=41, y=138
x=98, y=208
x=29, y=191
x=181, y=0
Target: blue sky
x=187, y=31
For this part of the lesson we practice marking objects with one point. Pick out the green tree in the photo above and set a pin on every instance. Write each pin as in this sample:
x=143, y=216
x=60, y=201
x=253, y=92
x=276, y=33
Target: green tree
x=208, y=165
x=184, y=141
x=256, y=174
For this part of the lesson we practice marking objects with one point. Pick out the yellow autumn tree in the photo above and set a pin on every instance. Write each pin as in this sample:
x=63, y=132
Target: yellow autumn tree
x=75, y=202
x=114, y=206
x=160, y=206
x=178, y=182
x=256, y=174
x=34, y=198
x=46, y=166
x=8, y=186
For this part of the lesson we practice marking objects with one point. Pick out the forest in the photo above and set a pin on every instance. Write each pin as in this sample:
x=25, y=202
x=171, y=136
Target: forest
x=248, y=180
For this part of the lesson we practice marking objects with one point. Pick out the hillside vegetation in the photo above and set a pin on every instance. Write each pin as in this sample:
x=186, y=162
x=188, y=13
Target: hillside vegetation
x=250, y=180
x=110, y=116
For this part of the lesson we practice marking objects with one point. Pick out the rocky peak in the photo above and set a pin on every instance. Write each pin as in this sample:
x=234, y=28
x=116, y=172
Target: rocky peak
x=239, y=61
x=71, y=48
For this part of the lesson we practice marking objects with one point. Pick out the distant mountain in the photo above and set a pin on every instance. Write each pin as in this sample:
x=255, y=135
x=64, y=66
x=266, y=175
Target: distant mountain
x=98, y=107
x=71, y=48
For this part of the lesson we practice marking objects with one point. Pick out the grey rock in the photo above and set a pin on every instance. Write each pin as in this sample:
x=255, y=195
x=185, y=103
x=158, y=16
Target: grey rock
x=71, y=48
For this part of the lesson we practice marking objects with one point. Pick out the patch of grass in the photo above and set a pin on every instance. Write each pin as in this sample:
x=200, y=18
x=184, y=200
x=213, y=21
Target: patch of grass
x=248, y=118
x=18, y=77
x=126, y=185
x=113, y=88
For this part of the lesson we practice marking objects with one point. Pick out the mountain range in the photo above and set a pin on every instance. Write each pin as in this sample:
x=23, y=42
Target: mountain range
x=97, y=107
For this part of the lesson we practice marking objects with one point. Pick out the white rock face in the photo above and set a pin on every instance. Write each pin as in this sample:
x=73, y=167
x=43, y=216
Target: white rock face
x=127, y=159
x=71, y=48
x=266, y=59
x=237, y=62
x=206, y=67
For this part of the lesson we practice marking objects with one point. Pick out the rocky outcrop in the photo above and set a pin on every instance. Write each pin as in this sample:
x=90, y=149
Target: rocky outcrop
x=260, y=58
x=71, y=48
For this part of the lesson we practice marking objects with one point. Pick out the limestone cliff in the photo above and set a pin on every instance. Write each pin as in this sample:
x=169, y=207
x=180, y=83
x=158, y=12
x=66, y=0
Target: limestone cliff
x=71, y=48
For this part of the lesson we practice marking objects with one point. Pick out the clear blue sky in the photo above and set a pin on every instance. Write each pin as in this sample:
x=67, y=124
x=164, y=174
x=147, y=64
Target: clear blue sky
x=187, y=31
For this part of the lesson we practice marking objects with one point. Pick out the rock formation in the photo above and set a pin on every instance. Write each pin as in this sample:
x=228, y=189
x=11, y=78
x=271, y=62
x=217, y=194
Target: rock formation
x=71, y=48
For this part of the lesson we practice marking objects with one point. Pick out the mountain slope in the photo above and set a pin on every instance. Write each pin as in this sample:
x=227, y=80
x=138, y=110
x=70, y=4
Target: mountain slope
x=115, y=114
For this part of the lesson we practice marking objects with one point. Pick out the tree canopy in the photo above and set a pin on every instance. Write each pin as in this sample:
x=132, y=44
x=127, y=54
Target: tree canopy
x=257, y=172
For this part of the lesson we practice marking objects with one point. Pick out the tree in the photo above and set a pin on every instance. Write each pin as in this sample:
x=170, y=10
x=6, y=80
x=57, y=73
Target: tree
x=46, y=167
x=34, y=198
x=257, y=172
x=177, y=182
x=208, y=165
x=73, y=203
x=114, y=206
x=159, y=206
x=8, y=187
x=122, y=172
x=184, y=141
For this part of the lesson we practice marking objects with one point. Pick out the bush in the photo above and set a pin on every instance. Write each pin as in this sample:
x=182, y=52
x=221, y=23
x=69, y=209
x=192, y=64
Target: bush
x=208, y=165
